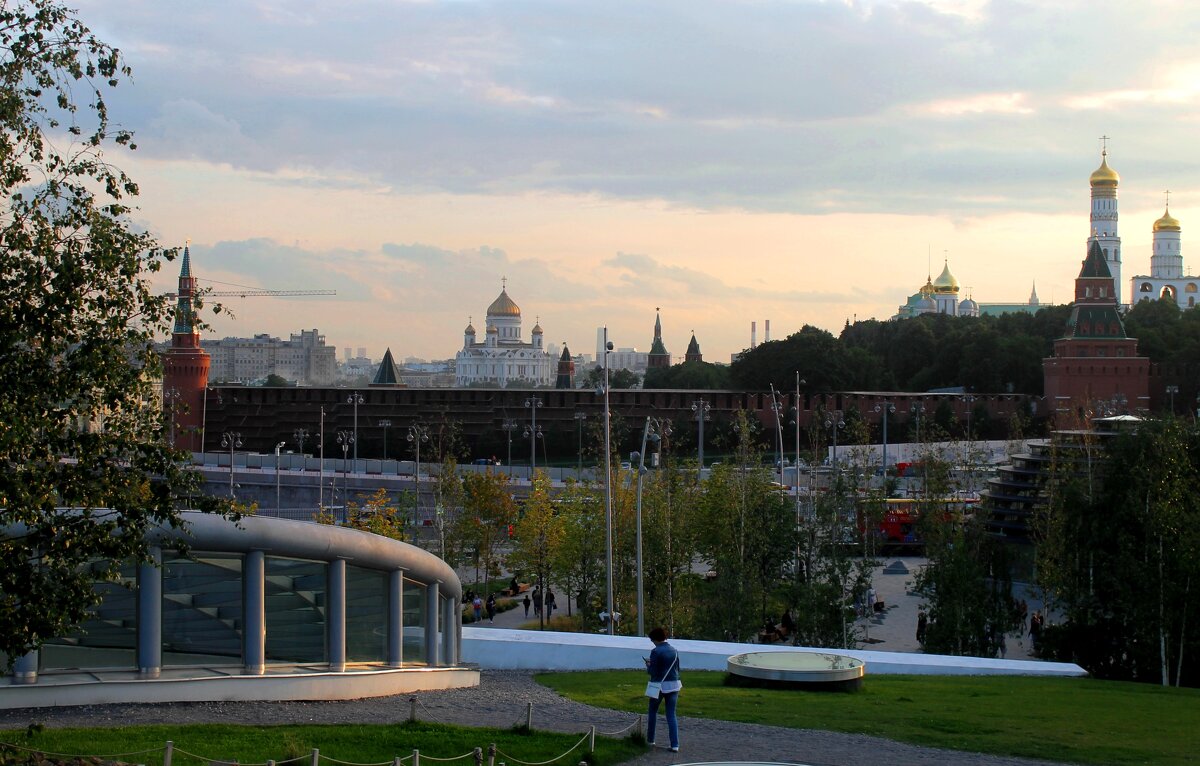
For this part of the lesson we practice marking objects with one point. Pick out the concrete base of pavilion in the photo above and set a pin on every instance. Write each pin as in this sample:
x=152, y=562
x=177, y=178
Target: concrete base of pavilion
x=228, y=684
x=494, y=648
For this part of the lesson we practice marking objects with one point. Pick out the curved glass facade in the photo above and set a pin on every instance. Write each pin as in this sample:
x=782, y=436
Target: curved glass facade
x=268, y=592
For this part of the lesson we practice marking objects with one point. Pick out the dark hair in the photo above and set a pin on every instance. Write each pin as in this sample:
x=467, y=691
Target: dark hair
x=658, y=635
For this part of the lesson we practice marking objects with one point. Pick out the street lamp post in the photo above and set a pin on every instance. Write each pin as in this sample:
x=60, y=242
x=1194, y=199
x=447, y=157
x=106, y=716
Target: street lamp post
x=885, y=408
x=416, y=434
x=170, y=402
x=970, y=401
x=917, y=409
x=385, y=425
x=278, y=447
x=608, y=516
x=321, y=465
x=347, y=440
x=648, y=433
x=701, y=408
x=1172, y=390
x=509, y=426
x=355, y=399
x=834, y=421
x=777, y=408
x=300, y=434
x=232, y=440
x=533, y=433
x=579, y=418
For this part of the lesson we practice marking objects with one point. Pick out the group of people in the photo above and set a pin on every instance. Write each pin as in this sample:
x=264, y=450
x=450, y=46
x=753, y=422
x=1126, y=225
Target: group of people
x=478, y=605
x=538, y=601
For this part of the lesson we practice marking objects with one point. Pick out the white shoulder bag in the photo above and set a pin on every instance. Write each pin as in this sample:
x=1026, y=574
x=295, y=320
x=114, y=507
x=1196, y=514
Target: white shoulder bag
x=654, y=688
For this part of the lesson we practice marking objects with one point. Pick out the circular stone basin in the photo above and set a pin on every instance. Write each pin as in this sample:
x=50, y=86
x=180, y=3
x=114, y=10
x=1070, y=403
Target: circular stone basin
x=822, y=671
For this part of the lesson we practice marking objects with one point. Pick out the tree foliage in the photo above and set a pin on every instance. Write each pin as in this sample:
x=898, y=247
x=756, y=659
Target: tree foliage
x=85, y=468
x=488, y=512
x=536, y=536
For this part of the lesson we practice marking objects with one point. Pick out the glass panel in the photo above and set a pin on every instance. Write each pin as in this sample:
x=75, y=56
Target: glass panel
x=414, y=622
x=366, y=615
x=295, y=610
x=202, y=609
x=108, y=637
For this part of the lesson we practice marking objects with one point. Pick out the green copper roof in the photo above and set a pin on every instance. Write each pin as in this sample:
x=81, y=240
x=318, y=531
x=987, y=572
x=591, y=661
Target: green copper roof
x=656, y=346
x=693, y=347
x=388, y=374
x=1094, y=266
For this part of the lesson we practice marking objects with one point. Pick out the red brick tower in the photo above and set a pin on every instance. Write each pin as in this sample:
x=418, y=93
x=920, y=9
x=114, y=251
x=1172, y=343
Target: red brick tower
x=1095, y=361
x=693, y=351
x=566, y=370
x=658, y=358
x=185, y=369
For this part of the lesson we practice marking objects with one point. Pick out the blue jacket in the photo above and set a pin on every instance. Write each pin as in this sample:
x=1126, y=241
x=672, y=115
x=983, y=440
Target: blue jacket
x=664, y=663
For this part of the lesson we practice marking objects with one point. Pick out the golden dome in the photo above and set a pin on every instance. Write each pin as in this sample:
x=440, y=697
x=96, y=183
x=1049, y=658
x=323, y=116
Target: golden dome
x=945, y=283
x=1104, y=175
x=1167, y=223
x=537, y=329
x=491, y=330
x=927, y=288
x=470, y=329
x=503, y=306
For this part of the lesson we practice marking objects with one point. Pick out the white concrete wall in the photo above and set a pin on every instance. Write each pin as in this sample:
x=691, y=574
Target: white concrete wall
x=496, y=649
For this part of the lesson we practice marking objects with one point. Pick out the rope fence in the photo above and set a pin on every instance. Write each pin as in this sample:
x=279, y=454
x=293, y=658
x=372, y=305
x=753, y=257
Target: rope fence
x=479, y=756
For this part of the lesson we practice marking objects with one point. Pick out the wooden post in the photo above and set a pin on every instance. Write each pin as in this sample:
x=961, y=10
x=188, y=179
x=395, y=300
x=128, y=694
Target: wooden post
x=479, y=756
x=168, y=751
x=492, y=754
x=529, y=717
x=592, y=740
x=316, y=757
x=416, y=757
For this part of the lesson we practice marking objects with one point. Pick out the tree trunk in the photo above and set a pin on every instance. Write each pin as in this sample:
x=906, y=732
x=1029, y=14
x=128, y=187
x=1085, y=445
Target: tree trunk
x=1162, y=624
x=1182, y=626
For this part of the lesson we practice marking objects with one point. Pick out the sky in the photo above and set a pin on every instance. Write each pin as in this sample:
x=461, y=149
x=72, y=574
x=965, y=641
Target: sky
x=799, y=162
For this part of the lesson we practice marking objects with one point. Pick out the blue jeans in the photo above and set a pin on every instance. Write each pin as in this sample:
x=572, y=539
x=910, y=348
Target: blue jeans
x=672, y=722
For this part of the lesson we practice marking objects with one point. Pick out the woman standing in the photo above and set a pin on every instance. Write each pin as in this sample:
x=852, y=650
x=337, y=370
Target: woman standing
x=663, y=667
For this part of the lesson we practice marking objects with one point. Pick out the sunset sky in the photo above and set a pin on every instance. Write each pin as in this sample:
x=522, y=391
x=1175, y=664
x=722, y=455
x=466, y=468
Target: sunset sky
x=803, y=162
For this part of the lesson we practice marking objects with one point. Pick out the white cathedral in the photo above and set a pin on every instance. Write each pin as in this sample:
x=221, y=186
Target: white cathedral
x=503, y=359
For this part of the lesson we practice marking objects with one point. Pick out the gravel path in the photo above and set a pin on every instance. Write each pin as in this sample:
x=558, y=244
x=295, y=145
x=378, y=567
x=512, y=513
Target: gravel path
x=501, y=700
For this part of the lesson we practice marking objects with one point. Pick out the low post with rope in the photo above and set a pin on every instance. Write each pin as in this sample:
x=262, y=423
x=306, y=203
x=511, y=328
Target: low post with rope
x=397, y=761
x=479, y=756
x=315, y=757
x=492, y=754
x=529, y=717
x=592, y=739
x=412, y=710
x=416, y=757
x=168, y=753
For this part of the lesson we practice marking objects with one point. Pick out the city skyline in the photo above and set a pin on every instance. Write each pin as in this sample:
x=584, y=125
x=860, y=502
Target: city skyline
x=797, y=162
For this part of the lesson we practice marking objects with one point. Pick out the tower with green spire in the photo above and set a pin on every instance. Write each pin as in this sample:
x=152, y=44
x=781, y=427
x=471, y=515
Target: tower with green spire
x=658, y=356
x=185, y=367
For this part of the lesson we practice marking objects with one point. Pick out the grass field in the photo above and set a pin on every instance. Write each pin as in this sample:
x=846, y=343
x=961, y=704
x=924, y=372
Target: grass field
x=353, y=743
x=1078, y=720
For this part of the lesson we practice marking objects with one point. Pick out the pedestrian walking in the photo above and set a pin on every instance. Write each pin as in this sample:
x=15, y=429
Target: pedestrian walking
x=922, y=625
x=537, y=601
x=664, y=686
x=491, y=607
x=527, y=602
x=549, y=603
x=477, y=607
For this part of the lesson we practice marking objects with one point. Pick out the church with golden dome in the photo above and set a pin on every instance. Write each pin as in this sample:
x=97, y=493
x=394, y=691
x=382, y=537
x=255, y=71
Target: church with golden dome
x=503, y=359
x=938, y=296
x=1167, y=278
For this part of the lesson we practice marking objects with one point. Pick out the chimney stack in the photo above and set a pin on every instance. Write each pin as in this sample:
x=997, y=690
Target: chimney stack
x=753, y=334
x=766, y=331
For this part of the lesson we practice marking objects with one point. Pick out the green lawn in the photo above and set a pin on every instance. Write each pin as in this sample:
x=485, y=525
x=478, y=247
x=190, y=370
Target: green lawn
x=1080, y=720
x=354, y=743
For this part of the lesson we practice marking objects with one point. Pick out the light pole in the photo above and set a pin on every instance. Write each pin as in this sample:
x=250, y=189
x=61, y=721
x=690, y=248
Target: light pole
x=347, y=440
x=170, y=402
x=300, y=434
x=701, y=408
x=278, y=447
x=885, y=408
x=917, y=410
x=777, y=408
x=1172, y=390
x=416, y=434
x=579, y=418
x=321, y=466
x=533, y=433
x=650, y=432
x=232, y=440
x=385, y=424
x=509, y=426
x=355, y=399
x=834, y=421
x=970, y=401
x=608, y=517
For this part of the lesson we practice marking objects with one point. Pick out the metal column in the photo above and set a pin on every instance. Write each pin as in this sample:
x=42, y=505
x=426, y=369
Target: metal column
x=395, y=624
x=254, y=607
x=149, y=616
x=335, y=614
x=432, y=597
x=449, y=634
